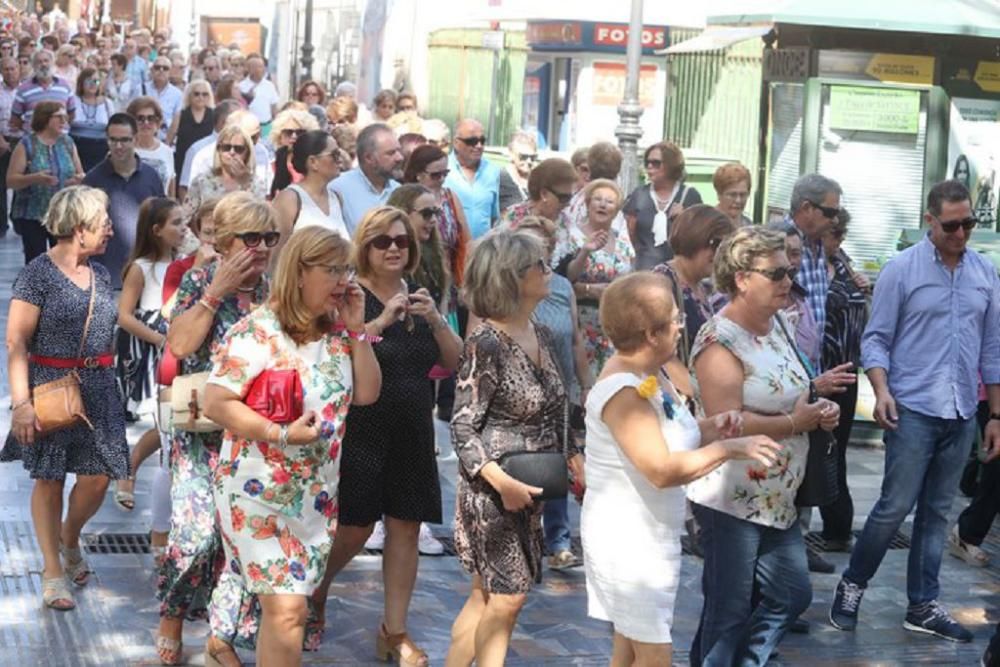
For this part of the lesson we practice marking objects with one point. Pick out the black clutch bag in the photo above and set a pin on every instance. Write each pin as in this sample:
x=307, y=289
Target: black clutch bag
x=546, y=470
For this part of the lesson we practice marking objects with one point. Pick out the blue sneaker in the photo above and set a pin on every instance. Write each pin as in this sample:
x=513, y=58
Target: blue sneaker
x=844, y=610
x=932, y=619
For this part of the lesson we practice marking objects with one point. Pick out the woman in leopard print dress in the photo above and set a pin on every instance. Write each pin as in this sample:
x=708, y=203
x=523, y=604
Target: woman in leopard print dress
x=510, y=397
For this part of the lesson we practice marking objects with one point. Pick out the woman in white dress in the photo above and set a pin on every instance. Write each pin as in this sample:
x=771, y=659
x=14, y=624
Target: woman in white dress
x=642, y=445
x=149, y=117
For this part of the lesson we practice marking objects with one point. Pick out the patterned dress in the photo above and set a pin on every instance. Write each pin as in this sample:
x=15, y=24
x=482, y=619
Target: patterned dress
x=192, y=567
x=504, y=403
x=602, y=266
x=278, y=506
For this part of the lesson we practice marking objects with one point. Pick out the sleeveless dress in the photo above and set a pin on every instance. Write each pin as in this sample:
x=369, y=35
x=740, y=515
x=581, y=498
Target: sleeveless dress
x=311, y=215
x=188, y=132
x=630, y=529
x=135, y=362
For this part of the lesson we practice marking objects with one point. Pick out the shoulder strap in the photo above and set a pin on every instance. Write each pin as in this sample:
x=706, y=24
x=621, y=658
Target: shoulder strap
x=298, y=204
x=795, y=348
x=90, y=312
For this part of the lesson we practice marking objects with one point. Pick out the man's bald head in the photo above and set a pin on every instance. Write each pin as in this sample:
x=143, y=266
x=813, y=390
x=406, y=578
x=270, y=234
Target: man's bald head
x=470, y=140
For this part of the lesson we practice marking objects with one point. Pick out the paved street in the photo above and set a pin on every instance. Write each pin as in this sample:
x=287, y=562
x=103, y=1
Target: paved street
x=116, y=617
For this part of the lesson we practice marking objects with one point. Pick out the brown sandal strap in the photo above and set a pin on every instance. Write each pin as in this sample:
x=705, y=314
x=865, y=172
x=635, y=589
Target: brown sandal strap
x=415, y=653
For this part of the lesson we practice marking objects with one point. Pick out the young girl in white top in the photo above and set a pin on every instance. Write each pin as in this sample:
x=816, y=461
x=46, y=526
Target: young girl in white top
x=142, y=333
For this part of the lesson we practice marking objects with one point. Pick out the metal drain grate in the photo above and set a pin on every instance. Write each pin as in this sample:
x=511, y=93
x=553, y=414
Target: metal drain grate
x=447, y=542
x=115, y=543
x=815, y=541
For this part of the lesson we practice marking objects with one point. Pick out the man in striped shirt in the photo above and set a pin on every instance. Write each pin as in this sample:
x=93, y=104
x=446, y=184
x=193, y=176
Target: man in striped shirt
x=41, y=87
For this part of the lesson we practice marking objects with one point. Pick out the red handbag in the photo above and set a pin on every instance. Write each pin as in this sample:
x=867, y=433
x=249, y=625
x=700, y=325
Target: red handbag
x=277, y=395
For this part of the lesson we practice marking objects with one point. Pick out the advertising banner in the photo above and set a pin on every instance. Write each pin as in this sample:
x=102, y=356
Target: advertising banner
x=974, y=154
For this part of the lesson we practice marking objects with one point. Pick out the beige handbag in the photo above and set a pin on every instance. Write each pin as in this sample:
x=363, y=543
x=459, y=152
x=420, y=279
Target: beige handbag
x=164, y=411
x=187, y=401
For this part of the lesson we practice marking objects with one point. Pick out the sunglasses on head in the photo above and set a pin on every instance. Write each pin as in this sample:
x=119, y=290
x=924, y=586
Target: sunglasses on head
x=253, y=239
x=951, y=226
x=384, y=241
x=429, y=212
x=776, y=275
x=239, y=149
x=829, y=212
x=563, y=197
x=439, y=175
x=472, y=142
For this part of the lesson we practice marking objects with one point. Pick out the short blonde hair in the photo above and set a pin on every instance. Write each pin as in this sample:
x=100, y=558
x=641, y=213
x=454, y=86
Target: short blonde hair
x=494, y=271
x=74, y=207
x=376, y=222
x=225, y=136
x=195, y=86
x=308, y=247
x=634, y=305
x=604, y=184
x=285, y=119
x=240, y=212
x=739, y=252
x=540, y=226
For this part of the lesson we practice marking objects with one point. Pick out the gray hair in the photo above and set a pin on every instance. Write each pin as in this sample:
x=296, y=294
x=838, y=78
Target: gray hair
x=523, y=137
x=368, y=138
x=812, y=188
x=38, y=54
x=494, y=271
x=781, y=227
x=74, y=207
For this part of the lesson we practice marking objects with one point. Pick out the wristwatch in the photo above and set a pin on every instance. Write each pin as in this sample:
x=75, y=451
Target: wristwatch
x=994, y=415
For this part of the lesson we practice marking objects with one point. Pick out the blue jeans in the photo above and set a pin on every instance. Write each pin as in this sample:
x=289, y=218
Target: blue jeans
x=924, y=457
x=555, y=521
x=731, y=631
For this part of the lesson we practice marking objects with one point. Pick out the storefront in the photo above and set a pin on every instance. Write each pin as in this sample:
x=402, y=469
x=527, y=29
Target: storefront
x=574, y=80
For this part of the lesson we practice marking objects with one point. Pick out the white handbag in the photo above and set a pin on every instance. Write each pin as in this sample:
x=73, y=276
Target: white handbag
x=187, y=402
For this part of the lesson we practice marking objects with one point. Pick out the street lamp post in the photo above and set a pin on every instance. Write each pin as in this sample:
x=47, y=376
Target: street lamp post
x=629, y=111
x=307, y=46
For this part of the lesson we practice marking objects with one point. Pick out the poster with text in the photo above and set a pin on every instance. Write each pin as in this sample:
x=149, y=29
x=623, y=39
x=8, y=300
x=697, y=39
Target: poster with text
x=974, y=154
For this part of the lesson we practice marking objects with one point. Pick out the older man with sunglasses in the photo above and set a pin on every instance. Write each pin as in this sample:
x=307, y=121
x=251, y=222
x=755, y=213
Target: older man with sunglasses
x=168, y=95
x=935, y=322
x=476, y=181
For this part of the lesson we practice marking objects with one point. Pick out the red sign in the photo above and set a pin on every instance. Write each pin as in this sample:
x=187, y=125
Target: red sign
x=609, y=84
x=616, y=34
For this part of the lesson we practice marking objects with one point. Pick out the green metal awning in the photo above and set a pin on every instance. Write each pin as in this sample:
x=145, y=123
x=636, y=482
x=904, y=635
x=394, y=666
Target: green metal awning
x=972, y=18
x=717, y=37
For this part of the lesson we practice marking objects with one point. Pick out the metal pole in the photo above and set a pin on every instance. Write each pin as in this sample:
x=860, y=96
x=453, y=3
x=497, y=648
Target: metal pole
x=491, y=131
x=307, y=47
x=629, y=111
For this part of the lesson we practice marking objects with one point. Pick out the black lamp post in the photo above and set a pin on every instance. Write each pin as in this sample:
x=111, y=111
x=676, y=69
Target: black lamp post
x=307, y=47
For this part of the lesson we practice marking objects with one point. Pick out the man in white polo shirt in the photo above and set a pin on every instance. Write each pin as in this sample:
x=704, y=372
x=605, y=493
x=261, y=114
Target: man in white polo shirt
x=260, y=93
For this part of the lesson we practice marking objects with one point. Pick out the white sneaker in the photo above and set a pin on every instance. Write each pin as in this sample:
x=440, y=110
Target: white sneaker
x=376, y=541
x=428, y=544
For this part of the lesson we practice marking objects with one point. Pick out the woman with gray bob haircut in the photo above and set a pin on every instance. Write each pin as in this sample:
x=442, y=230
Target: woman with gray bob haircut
x=510, y=399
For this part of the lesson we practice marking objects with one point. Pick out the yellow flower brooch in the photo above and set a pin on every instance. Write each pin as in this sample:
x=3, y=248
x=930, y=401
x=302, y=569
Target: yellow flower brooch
x=648, y=388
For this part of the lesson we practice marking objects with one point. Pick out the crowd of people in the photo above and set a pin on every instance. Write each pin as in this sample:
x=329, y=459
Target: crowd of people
x=293, y=290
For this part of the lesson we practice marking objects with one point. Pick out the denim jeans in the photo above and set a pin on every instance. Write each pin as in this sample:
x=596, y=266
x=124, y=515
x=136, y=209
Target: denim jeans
x=923, y=463
x=732, y=631
x=555, y=521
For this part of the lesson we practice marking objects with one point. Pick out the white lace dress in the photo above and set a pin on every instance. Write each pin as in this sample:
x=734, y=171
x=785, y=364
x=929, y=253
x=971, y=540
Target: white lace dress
x=630, y=529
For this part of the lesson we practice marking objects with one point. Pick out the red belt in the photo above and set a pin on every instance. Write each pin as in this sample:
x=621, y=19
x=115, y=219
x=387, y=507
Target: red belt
x=100, y=361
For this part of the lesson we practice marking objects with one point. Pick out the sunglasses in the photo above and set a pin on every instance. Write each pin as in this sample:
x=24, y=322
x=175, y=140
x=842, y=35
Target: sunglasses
x=828, y=212
x=289, y=132
x=540, y=264
x=239, y=149
x=714, y=243
x=654, y=164
x=951, y=226
x=527, y=157
x=200, y=93
x=439, y=175
x=147, y=119
x=563, y=197
x=429, y=212
x=472, y=142
x=384, y=241
x=253, y=239
x=161, y=68
x=776, y=275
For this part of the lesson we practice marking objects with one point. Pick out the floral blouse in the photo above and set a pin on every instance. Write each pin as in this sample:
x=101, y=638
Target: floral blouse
x=773, y=382
x=209, y=186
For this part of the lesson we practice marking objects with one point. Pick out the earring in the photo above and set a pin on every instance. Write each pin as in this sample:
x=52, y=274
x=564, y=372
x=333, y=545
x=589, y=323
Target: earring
x=83, y=244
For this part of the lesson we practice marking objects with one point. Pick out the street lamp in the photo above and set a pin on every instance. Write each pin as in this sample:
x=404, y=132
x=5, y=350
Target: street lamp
x=629, y=111
x=307, y=47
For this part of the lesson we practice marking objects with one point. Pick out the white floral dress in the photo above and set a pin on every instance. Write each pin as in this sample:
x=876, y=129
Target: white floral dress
x=773, y=382
x=278, y=506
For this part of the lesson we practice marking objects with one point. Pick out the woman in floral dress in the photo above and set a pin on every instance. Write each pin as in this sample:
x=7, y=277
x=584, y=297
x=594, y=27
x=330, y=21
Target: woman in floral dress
x=744, y=359
x=210, y=300
x=597, y=260
x=276, y=485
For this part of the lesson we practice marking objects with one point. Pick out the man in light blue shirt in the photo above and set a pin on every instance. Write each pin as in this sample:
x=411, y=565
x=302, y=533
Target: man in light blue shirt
x=935, y=322
x=476, y=181
x=380, y=164
x=169, y=96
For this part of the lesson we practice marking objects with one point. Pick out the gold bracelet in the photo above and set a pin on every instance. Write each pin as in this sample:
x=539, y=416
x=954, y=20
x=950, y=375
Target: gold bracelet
x=792, y=422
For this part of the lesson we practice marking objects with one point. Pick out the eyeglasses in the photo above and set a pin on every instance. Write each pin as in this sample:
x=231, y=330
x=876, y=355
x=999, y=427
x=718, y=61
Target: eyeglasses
x=778, y=274
x=472, y=142
x=120, y=140
x=326, y=154
x=239, y=149
x=429, y=212
x=654, y=164
x=161, y=68
x=828, y=212
x=143, y=119
x=290, y=132
x=563, y=197
x=439, y=175
x=540, y=264
x=338, y=270
x=951, y=226
x=384, y=241
x=253, y=239
x=736, y=196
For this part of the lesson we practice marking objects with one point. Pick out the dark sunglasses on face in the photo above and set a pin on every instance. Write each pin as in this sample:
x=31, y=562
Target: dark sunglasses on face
x=951, y=226
x=829, y=212
x=290, y=132
x=147, y=119
x=239, y=149
x=654, y=164
x=528, y=157
x=776, y=275
x=563, y=197
x=161, y=68
x=429, y=212
x=384, y=241
x=439, y=175
x=472, y=142
x=200, y=93
x=253, y=239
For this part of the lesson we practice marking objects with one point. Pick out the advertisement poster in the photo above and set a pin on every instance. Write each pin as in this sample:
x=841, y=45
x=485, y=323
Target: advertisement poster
x=974, y=154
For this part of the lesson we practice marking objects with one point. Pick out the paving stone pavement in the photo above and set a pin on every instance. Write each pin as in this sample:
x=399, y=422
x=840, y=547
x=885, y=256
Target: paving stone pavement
x=116, y=617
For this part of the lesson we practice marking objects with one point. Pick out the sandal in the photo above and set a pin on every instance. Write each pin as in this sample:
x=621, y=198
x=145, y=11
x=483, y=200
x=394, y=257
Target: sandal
x=393, y=647
x=970, y=553
x=126, y=499
x=220, y=654
x=169, y=650
x=56, y=594
x=76, y=566
x=315, y=626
